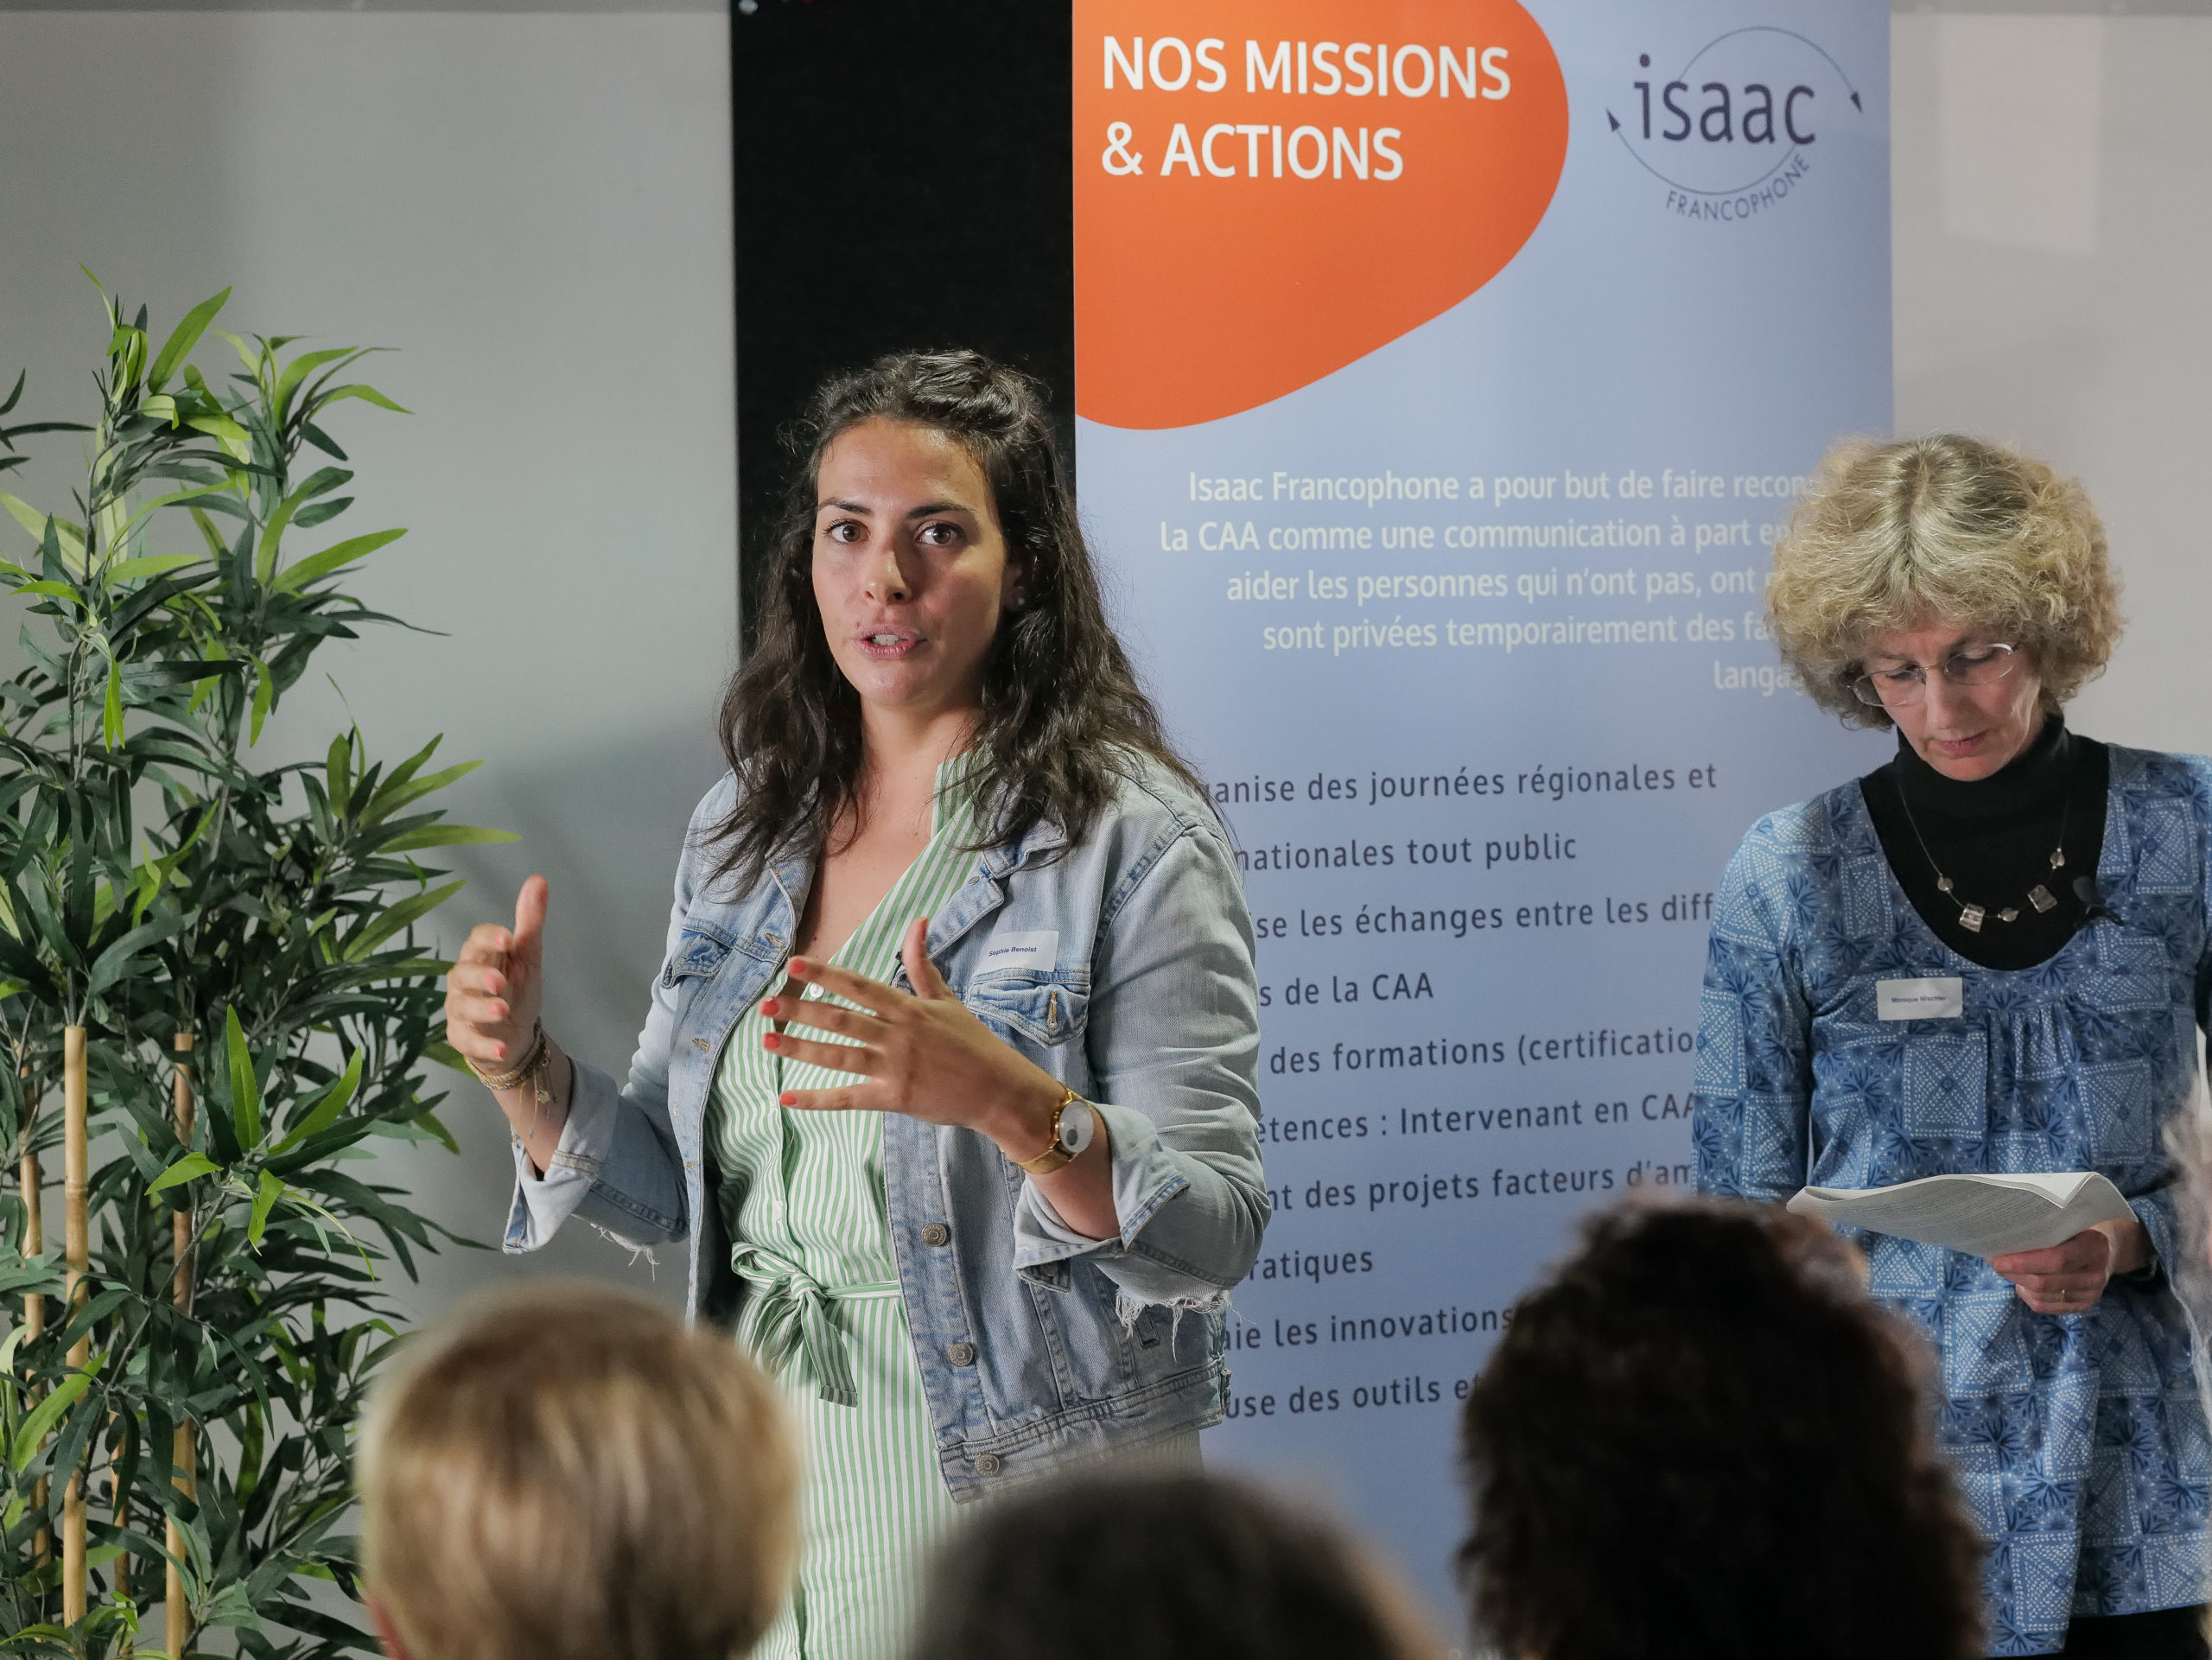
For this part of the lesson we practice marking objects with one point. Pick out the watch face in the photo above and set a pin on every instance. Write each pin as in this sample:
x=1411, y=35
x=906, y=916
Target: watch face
x=1076, y=1126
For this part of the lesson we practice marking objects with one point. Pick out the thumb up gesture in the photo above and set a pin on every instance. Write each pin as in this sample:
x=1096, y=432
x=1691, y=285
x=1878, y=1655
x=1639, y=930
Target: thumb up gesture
x=495, y=990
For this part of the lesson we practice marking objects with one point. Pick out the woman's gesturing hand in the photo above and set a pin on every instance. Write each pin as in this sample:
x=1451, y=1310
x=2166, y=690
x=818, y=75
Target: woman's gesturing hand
x=494, y=991
x=2067, y=1278
x=923, y=1054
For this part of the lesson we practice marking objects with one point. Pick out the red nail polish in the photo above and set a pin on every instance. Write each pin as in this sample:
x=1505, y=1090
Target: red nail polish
x=769, y=1041
x=787, y=1099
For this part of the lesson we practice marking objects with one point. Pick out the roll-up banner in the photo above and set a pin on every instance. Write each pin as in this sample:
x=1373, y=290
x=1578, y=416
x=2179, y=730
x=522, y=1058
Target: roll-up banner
x=1444, y=370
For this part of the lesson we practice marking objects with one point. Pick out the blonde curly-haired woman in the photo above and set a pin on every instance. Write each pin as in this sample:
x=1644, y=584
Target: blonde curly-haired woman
x=2053, y=889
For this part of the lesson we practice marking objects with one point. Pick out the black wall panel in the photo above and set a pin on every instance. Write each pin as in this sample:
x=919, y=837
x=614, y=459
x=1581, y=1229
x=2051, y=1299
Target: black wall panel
x=903, y=180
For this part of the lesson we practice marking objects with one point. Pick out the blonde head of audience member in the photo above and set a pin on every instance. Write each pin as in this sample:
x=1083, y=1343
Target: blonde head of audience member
x=564, y=1472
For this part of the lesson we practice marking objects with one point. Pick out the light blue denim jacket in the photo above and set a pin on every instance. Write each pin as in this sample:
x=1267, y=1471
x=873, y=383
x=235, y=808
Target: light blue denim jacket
x=1123, y=966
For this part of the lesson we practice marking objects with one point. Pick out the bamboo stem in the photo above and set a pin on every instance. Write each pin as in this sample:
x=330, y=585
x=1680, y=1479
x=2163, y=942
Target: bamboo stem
x=184, y=1451
x=77, y=1237
x=34, y=1240
x=34, y=1302
x=119, y=1503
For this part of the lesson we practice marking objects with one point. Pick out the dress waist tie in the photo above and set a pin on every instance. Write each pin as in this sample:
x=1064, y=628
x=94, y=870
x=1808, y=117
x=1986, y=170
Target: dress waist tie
x=785, y=1322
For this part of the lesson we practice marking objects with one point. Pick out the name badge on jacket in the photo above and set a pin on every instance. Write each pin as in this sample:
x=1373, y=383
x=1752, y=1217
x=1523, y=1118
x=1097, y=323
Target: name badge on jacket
x=1920, y=1000
x=1033, y=951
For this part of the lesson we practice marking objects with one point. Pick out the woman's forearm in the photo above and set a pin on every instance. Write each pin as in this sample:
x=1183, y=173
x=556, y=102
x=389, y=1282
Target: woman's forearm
x=538, y=1123
x=1081, y=1191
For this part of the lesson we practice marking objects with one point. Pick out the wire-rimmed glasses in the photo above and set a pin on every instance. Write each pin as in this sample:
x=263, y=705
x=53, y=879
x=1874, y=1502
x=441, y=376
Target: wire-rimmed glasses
x=1902, y=688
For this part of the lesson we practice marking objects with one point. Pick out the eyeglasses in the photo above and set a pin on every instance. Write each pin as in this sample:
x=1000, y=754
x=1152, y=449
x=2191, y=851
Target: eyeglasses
x=1975, y=665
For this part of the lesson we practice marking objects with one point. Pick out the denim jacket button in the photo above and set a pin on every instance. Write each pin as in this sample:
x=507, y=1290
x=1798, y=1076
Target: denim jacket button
x=961, y=1354
x=987, y=1464
x=937, y=1234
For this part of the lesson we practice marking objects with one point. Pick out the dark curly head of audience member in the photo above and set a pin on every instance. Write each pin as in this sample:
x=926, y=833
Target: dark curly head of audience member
x=1700, y=1436
x=1163, y=1567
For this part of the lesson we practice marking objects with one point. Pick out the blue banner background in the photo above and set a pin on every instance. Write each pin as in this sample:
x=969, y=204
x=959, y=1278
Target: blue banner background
x=1647, y=329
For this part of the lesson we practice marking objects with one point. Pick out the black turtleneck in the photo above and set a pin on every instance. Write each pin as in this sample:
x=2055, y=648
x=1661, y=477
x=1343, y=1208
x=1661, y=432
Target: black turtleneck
x=1993, y=837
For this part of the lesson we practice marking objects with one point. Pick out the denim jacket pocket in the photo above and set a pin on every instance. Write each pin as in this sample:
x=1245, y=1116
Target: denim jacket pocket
x=700, y=952
x=1044, y=1007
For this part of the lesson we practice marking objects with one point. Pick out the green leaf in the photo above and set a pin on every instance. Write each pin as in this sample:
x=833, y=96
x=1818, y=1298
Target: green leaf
x=197, y=492
x=374, y=932
x=445, y=835
x=338, y=770
x=151, y=565
x=265, y=699
x=322, y=482
x=227, y=434
x=325, y=1111
x=400, y=789
x=18, y=1273
x=272, y=537
x=367, y=395
x=216, y=546
x=321, y=440
x=264, y=1202
x=23, y=513
x=56, y=590
x=115, y=959
x=316, y=566
x=39, y=1421
x=245, y=1090
x=247, y=354
x=298, y=369
x=190, y=1167
x=112, y=714
x=186, y=335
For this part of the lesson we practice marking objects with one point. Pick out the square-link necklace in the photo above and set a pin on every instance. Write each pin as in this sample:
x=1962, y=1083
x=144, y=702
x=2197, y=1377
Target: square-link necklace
x=1971, y=917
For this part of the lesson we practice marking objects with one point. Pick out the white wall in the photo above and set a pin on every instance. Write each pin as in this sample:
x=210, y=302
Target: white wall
x=2052, y=228
x=536, y=209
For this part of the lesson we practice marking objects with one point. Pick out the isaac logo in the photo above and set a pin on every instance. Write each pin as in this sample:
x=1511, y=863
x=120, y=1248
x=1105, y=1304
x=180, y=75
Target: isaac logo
x=1736, y=130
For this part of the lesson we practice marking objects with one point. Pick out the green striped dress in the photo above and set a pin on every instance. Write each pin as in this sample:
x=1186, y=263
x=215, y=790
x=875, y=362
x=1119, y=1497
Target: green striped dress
x=802, y=1195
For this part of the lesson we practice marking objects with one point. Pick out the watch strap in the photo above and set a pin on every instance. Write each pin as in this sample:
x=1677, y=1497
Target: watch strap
x=1058, y=1153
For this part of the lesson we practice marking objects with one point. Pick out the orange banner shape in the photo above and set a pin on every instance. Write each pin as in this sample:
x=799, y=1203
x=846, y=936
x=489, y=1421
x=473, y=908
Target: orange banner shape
x=1260, y=200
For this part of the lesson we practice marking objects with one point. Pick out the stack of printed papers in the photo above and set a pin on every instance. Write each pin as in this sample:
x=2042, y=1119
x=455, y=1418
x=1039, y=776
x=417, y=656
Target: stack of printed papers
x=1989, y=1215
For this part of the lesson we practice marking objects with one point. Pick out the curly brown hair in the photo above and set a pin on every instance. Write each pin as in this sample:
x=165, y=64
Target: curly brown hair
x=1701, y=1437
x=1888, y=535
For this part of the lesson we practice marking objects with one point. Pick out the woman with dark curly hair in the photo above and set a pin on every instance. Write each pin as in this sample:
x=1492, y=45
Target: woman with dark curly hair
x=949, y=1077
x=1991, y=954
x=1700, y=1437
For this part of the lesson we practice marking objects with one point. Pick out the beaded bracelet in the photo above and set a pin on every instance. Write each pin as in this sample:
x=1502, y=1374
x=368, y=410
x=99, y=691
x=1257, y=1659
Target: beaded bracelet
x=534, y=1059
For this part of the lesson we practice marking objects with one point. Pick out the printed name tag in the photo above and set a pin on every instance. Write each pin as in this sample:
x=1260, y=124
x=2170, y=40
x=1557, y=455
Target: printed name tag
x=1037, y=951
x=1920, y=1000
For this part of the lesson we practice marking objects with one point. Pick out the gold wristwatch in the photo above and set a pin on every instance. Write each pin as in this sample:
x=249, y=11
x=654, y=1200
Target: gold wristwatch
x=1074, y=1123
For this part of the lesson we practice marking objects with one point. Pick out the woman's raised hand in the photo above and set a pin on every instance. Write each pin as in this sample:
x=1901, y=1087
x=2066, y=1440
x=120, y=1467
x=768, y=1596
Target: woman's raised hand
x=497, y=987
x=923, y=1054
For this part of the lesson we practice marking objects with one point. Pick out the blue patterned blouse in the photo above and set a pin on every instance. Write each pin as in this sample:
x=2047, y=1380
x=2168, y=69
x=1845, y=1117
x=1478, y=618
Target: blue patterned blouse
x=2079, y=1439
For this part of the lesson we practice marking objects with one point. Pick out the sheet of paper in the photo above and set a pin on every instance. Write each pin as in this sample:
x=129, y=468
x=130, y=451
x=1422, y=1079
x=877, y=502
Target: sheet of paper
x=1986, y=1215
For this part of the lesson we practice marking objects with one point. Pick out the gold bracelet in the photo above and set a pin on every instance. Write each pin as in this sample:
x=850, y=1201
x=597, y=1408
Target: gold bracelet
x=534, y=1060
